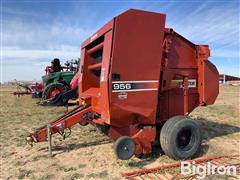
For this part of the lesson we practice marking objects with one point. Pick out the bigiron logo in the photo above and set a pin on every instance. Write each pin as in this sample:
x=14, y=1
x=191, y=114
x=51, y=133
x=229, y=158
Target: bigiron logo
x=203, y=170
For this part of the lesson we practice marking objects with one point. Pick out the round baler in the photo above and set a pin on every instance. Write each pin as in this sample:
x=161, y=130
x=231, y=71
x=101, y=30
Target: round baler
x=138, y=83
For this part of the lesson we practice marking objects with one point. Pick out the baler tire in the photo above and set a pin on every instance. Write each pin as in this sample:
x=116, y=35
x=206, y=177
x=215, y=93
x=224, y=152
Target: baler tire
x=124, y=148
x=180, y=137
x=49, y=87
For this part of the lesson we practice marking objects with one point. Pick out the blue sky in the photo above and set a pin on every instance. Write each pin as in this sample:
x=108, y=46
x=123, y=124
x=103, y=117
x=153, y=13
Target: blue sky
x=33, y=33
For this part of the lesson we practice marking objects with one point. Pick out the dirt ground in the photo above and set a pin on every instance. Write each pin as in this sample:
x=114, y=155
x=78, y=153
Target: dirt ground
x=87, y=154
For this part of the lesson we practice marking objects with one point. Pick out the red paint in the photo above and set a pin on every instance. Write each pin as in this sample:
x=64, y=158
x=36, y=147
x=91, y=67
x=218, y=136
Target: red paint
x=29, y=89
x=74, y=81
x=53, y=93
x=37, y=87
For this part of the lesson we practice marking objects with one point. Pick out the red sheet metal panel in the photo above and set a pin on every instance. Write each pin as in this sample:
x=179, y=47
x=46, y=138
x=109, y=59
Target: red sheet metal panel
x=180, y=61
x=211, y=84
x=136, y=59
x=107, y=27
x=208, y=77
x=95, y=57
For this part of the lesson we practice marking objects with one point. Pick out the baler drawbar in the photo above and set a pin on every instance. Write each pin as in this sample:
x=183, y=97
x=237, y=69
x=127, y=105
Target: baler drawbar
x=78, y=115
x=138, y=82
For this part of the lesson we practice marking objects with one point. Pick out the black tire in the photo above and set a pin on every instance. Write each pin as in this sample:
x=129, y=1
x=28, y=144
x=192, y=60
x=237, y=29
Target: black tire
x=180, y=137
x=61, y=87
x=124, y=148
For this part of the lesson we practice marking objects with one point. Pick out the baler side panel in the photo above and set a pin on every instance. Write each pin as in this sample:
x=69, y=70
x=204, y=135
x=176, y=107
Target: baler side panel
x=108, y=26
x=180, y=61
x=94, y=69
x=136, y=60
x=103, y=103
x=182, y=53
x=87, y=79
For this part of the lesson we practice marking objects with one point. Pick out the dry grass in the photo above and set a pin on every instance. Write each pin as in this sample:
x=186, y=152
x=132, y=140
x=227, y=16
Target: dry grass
x=88, y=154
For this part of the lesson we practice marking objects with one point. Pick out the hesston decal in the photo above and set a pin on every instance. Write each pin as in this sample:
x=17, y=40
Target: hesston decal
x=192, y=83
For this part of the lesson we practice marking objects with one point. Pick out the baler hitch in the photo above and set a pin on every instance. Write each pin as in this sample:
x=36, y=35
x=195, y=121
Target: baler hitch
x=78, y=115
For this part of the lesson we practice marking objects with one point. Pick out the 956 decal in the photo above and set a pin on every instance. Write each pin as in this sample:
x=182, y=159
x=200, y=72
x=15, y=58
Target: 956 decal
x=126, y=86
x=122, y=86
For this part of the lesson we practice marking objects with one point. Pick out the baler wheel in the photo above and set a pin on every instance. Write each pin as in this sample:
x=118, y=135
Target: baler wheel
x=180, y=137
x=51, y=90
x=124, y=148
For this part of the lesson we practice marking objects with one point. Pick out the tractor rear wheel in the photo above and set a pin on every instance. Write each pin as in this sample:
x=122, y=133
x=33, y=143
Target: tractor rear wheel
x=51, y=90
x=180, y=137
x=124, y=148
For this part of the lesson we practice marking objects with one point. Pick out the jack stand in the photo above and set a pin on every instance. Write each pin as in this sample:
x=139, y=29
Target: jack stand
x=67, y=107
x=49, y=140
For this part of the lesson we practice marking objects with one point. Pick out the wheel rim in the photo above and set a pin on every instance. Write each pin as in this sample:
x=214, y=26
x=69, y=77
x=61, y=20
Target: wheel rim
x=185, y=139
x=53, y=93
x=125, y=149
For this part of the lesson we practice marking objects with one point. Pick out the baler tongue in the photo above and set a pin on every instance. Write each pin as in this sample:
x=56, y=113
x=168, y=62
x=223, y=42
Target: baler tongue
x=81, y=114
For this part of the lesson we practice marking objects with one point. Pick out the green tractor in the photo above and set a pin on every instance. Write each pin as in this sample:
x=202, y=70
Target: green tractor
x=57, y=79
